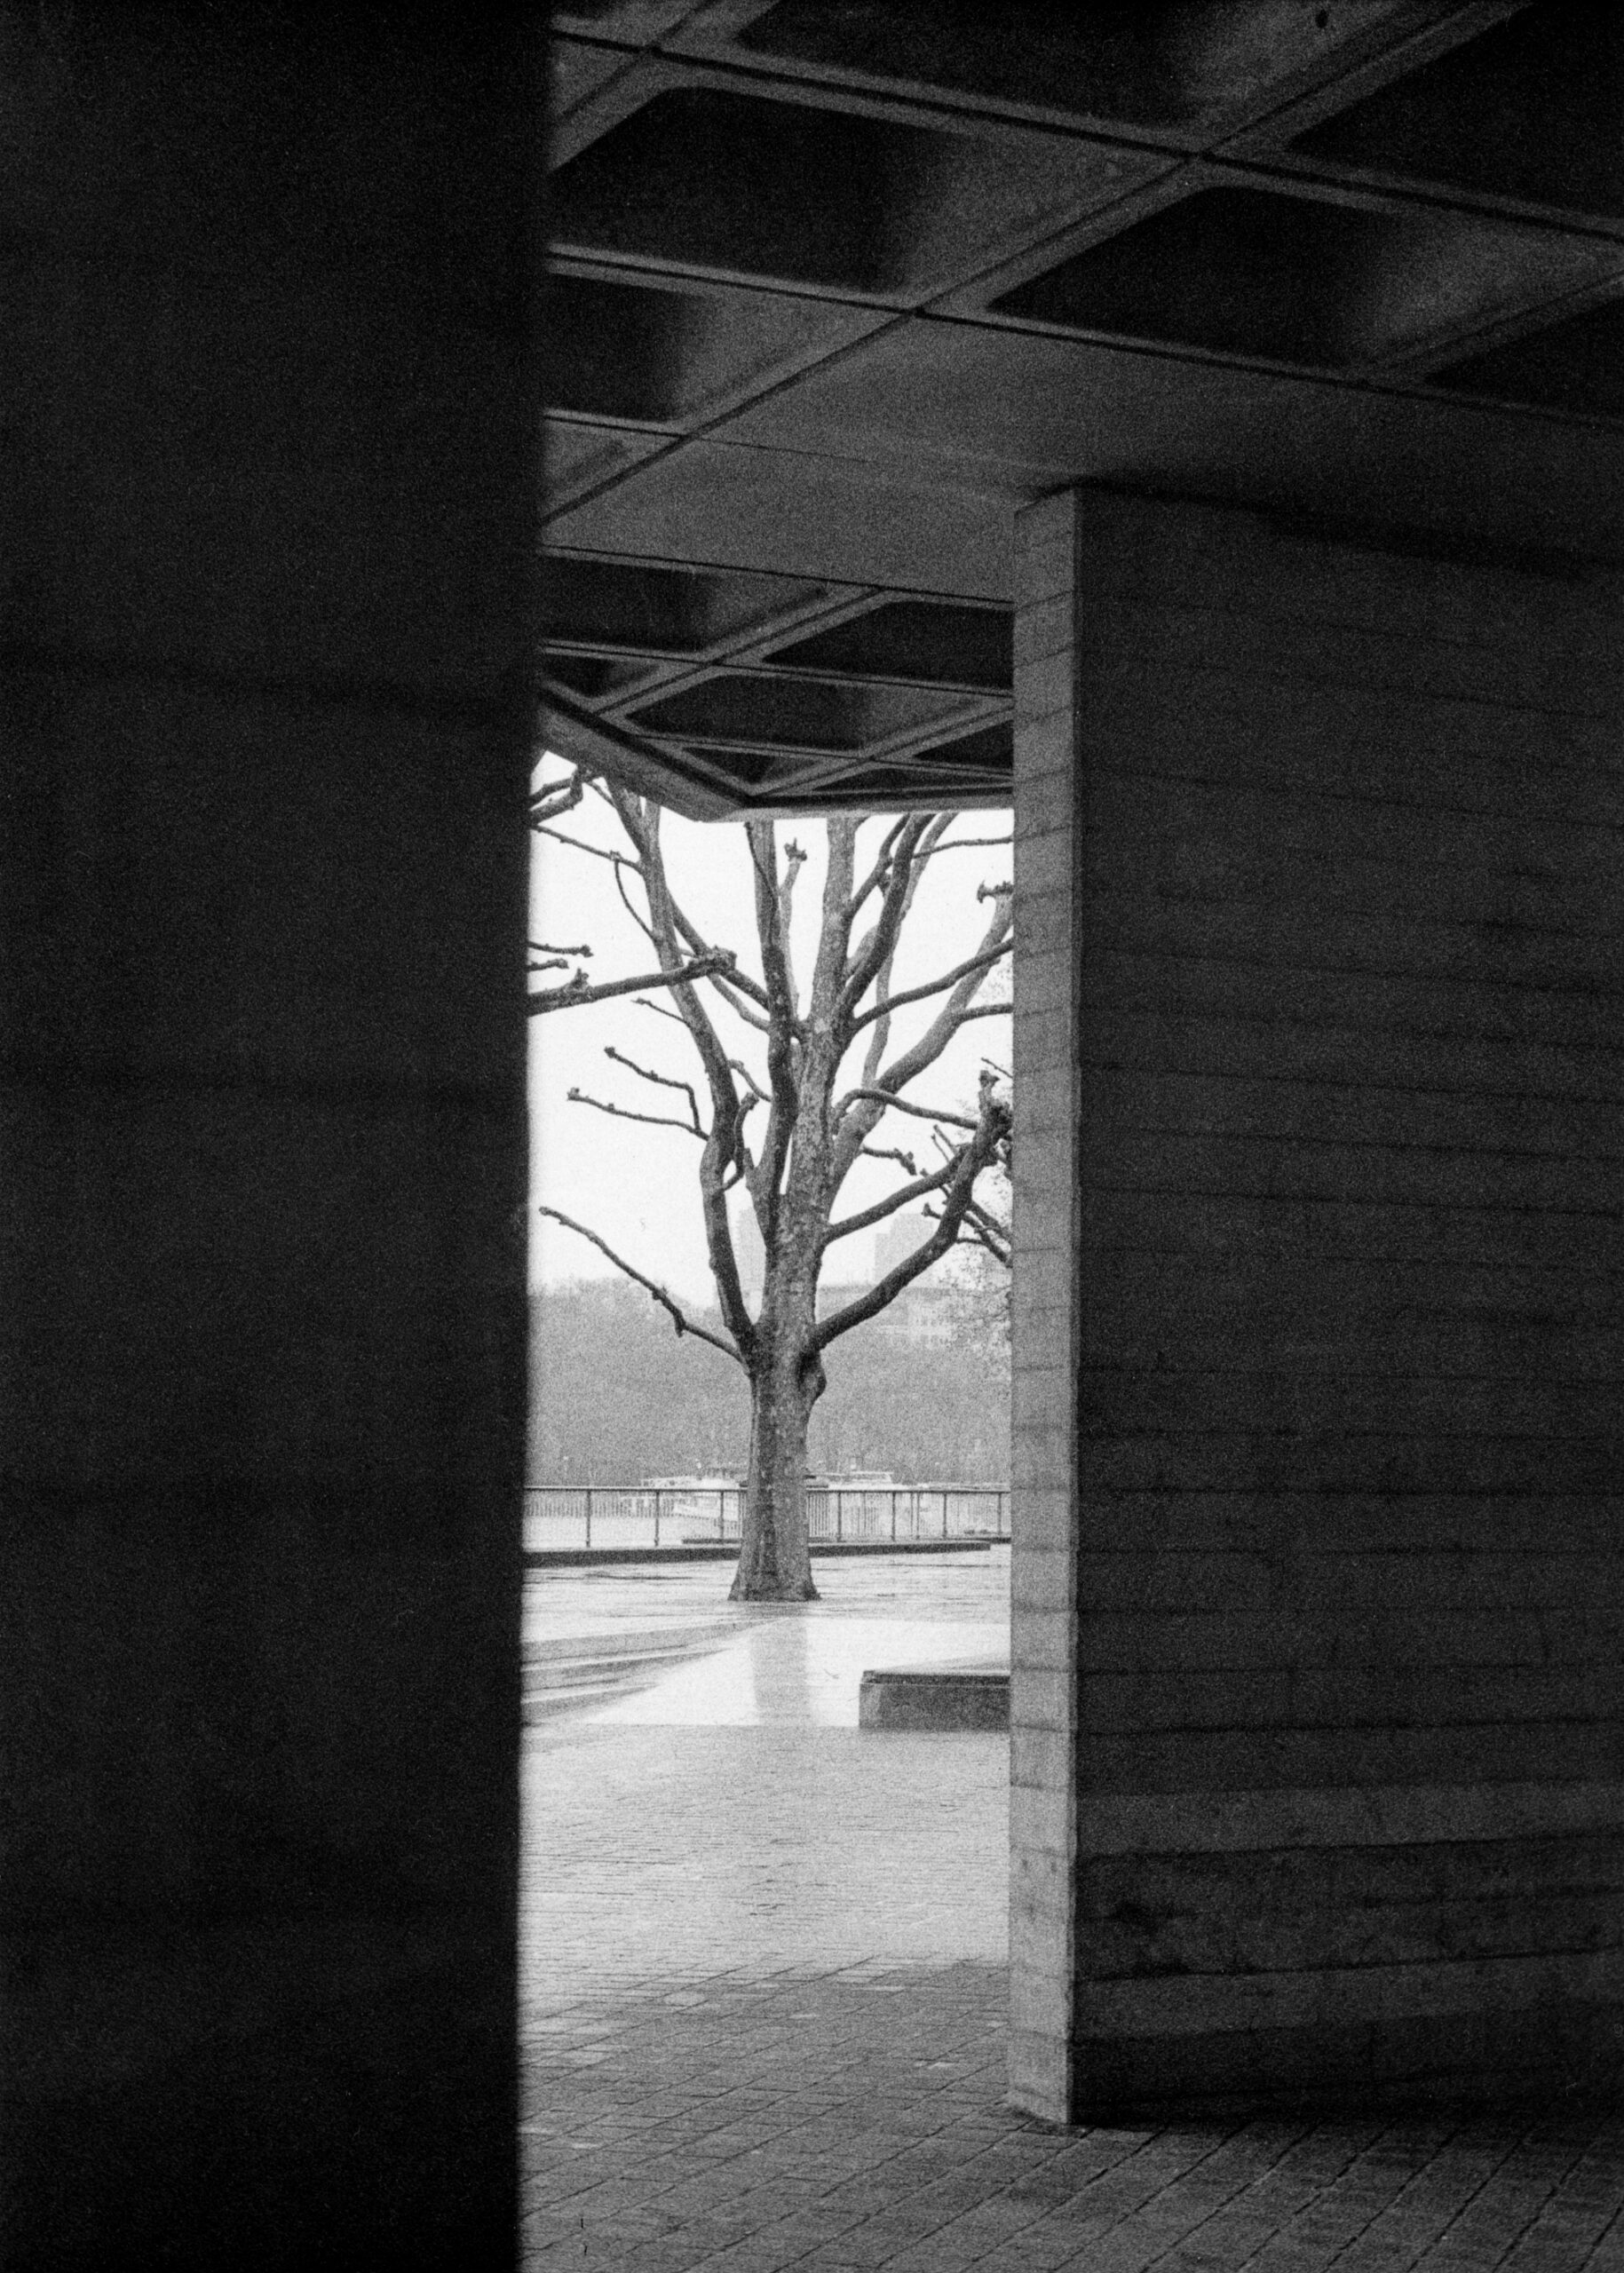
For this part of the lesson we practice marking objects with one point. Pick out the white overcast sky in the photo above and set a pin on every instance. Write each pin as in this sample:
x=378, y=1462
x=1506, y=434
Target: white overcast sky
x=636, y=1185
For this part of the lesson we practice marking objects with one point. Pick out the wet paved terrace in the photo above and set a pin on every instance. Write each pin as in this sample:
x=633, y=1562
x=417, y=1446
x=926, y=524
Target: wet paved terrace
x=765, y=1981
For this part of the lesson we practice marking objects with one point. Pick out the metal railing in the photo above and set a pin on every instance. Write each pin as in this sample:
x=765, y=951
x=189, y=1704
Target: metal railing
x=679, y=1514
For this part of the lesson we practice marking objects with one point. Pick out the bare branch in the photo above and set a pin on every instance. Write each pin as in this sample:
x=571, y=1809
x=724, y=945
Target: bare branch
x=641, y=922
x=875, y=952
x=992, y=1137
x=906, y=1104
x=546, y=947
x=990, y=1234
x=549, y=799
x=878, y=874
x=724, y=1147
x=931, y=1182
x=686, y=928
x=624, y=1112
x=579, y=845
x=781, y=1081
x=570, y=997
x=663, y=1081
x=892, y=1152
x=982, y=961
x=751, y=1017
x=682, y=1324
x=959, y=844
x=959, y=1007
x=749, y=1078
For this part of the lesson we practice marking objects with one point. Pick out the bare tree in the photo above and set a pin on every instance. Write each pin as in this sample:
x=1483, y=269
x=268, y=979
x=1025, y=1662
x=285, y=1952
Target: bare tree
x=791, y=1128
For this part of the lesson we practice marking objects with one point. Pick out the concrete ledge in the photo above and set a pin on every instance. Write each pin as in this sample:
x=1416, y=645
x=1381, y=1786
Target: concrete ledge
x=956, y=1701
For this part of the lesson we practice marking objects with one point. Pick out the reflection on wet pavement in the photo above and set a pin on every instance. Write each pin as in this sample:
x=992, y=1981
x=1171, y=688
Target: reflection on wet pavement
x=699, y=1800
x=647, y=1646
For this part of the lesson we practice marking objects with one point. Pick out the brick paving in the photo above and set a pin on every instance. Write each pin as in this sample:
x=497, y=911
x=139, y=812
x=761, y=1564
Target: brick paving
x=763, y=2016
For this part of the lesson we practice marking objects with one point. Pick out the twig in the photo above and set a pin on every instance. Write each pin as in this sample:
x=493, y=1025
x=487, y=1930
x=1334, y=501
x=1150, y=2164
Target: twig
x=576, y=844
x=737, y=1066
x=569, y=998
x=624, y=1112
x=902, y=1105
x=661, y=1081
x=684, y=1325
x=552, y=798
x=892, y=1152
x=982, y=961
x=892, y=1201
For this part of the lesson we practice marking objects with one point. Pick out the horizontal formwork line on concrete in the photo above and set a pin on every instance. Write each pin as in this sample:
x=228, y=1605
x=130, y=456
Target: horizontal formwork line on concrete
x=1291, y=1508
x=1234, y=859
x=1270, y=1319
x=1331, y=1459
x=1239, y=862
x=1374, y=750
x=1255, y=650
x=1258, y=1820
x=1153, y=1220
x=1307, y=1697
x=1286, y=1053
x=1317, y=894
x=1388, y=1933
x=1259, y=1758
x=1310, y=1418
x=1521, y=674
x=1128, y=1576
x=1315, y=1112
x=1453, y=1011
x=1301, y=1640
x=1306, y=577
x=1164, y=982
x=1261, y=933
x=1424, y=1293
x=1464, y=1181
x=1358, y=801
x=1201, y=1356
x=1507, y=623
x=1321, y=1998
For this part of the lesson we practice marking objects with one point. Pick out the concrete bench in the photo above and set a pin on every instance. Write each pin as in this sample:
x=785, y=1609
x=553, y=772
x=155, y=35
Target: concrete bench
x=942, y=1699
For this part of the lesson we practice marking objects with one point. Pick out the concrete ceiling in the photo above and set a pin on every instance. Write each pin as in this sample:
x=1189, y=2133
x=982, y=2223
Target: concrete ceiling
x=840, y=284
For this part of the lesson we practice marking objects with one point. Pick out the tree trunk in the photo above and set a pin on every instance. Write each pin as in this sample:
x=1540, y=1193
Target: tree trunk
x=774, y=1564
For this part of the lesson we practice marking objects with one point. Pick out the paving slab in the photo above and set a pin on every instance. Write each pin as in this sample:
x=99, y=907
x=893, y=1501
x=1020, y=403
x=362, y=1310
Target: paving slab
x=765, y=1990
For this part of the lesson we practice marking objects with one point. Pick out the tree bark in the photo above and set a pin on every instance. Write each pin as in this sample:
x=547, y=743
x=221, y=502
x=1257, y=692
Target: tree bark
x=774, y=1558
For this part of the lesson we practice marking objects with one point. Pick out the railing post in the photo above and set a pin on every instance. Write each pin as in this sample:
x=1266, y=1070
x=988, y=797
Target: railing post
x=893, y=1518
x=838, y=1498
x=656, y=1514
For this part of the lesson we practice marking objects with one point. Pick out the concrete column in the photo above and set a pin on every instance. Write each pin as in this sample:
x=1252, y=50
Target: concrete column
x=1045, y=1318
x=267, y=729
x=1334, y=1466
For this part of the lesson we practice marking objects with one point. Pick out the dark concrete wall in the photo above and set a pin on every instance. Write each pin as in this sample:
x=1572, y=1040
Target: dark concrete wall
x=1346, y=982
x=266, y=743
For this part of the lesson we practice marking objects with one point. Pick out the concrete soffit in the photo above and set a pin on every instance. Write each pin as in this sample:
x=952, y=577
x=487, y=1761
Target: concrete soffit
x=836, y=290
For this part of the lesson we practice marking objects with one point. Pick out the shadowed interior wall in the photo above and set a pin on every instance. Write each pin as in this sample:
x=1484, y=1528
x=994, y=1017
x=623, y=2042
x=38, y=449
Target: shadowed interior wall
x=267, y=731
x=1320, y=926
